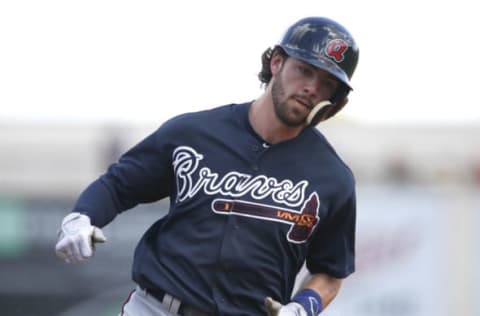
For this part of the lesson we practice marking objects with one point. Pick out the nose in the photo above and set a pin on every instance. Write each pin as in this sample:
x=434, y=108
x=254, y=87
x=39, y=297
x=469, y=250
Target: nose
x=312, y=88
x=320, y=87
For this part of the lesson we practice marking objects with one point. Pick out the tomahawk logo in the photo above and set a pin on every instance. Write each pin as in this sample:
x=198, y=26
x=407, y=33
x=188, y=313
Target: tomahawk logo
x=192, y=179
x=301, y=223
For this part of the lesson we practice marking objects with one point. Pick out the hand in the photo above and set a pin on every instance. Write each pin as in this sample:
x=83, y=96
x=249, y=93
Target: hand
x=275, y=308
x=77, y=238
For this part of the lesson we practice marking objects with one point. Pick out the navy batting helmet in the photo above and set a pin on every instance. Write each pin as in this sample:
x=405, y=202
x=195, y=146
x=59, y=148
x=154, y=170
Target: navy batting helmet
x=325, y=44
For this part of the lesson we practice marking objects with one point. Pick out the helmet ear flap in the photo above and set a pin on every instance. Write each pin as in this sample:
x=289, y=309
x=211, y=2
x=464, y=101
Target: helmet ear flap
x=326, y=109
x=318, y=112
x=325, y=112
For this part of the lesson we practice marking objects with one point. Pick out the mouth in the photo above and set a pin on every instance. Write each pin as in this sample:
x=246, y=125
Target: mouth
x=304, y=102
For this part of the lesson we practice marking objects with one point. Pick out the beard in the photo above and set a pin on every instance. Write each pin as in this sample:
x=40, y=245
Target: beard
x=286, y=115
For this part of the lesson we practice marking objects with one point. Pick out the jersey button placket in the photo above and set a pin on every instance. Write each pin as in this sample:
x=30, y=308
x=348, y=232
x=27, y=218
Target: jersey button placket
x=257, y=150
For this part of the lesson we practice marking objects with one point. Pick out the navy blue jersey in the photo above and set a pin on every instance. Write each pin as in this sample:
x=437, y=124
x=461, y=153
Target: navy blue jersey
x=244, y=215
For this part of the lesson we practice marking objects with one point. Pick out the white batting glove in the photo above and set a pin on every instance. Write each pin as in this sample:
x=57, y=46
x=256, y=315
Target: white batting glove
x=275, y=308
x=77, y=238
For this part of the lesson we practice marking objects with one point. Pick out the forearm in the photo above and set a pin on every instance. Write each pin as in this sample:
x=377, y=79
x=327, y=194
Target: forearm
x=317, y=293
x=326, y=286
x=98, y=203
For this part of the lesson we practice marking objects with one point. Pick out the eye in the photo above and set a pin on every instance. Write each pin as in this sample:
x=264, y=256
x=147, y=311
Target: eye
x=330, y=84
x=305, y=71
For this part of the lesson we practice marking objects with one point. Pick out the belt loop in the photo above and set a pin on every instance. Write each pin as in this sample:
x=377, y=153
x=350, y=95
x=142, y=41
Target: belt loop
x=175, y=307
x=141, y=290
x=167, y=300
x=171, y=303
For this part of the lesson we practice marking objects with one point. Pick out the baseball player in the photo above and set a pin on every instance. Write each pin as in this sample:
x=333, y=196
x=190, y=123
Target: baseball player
x=255, y=192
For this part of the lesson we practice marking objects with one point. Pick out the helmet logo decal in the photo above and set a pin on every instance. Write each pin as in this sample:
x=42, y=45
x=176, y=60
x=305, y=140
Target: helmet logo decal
x=336, y=49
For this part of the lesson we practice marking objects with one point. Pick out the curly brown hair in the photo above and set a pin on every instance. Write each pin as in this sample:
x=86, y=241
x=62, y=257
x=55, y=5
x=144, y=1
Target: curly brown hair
x=265, y=74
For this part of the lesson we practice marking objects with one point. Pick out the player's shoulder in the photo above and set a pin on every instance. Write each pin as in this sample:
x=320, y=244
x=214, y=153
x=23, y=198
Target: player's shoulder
x=207, y=116
x=320, y=141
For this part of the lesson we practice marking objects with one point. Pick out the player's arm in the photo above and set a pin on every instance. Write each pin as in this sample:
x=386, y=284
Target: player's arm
x=326, y=286
x=317, y=293
x=143, y=174
x=330, y=260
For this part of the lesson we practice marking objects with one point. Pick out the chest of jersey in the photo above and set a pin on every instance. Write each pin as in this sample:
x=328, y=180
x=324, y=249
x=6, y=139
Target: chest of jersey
x=283, y=187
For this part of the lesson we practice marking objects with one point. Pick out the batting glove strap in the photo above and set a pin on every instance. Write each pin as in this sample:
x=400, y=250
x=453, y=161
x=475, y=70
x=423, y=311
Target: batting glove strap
x=310, y=300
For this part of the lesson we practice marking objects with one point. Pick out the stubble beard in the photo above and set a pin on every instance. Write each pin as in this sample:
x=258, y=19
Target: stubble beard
x=281, y=108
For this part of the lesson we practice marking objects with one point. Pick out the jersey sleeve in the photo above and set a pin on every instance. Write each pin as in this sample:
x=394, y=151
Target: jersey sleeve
x=143, y=174
x=332, y=250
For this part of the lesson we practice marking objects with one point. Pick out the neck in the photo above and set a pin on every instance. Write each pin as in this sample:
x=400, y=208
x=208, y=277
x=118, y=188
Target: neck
x=265, y=122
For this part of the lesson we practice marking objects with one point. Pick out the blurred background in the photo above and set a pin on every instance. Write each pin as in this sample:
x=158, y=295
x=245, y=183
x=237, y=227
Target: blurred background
x=81, y=82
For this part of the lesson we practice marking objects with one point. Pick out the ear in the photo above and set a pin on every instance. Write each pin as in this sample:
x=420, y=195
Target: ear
x=276, y=62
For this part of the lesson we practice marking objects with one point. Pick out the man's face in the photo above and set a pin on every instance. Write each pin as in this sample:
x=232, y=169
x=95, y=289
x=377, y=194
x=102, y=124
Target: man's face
x=297, y=87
